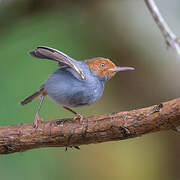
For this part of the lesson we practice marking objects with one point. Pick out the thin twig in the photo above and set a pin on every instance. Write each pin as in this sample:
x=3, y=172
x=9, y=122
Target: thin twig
x=170, y=38
x=96, y=129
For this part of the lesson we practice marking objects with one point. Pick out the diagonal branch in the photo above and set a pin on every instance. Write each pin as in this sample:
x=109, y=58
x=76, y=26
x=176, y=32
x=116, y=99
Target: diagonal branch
x=170, y=38
x=96, y=129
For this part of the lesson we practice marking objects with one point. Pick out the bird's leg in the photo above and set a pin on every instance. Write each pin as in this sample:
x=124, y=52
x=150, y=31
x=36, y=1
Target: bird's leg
x=36, y=119
x=77, y=115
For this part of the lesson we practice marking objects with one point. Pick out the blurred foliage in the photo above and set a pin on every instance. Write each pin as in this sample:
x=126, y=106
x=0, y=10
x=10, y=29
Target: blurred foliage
x=121, y=30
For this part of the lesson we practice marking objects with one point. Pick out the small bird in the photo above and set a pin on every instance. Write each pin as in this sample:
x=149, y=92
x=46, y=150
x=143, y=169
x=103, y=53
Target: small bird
x=75, y=83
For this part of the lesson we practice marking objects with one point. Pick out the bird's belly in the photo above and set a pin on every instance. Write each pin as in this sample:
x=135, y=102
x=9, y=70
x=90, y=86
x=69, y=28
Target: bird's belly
x=73, y=98
x=72, y=92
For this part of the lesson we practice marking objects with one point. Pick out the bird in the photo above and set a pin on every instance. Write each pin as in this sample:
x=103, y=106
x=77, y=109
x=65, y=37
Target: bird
x=75, y=83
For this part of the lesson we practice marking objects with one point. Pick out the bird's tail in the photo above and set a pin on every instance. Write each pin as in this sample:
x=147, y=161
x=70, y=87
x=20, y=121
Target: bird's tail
x=32, y=97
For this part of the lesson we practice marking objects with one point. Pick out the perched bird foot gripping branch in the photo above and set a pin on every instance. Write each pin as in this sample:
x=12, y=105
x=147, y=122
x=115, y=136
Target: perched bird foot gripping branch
x=75, y=83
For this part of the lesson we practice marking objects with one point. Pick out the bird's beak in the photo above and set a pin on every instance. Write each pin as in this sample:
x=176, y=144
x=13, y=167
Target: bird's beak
x=117, y=69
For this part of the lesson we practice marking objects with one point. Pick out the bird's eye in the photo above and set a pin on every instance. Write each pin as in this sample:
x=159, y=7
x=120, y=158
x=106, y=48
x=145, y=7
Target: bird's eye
x=103, y=65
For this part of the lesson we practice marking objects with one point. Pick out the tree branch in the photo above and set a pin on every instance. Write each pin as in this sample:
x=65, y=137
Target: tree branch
x=170, y=38
x=96, y=129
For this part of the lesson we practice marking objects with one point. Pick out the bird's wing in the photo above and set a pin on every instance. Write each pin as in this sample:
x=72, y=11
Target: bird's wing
x=44, y=52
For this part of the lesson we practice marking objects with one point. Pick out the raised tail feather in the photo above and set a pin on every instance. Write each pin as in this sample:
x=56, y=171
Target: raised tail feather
x=32, y=97
x=43, y=52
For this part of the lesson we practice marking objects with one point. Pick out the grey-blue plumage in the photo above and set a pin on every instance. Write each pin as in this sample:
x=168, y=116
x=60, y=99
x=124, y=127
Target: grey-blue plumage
x=75, y=83
x=65, y=87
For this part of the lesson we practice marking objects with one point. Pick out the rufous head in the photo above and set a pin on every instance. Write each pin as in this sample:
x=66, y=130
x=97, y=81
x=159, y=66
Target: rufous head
x=105, y=68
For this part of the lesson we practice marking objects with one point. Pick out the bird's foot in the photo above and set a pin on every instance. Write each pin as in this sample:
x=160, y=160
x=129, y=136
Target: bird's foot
x=37, y=120
x=78, y=117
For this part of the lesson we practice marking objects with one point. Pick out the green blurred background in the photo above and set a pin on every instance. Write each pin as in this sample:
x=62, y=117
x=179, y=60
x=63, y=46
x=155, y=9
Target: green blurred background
x=122, y=30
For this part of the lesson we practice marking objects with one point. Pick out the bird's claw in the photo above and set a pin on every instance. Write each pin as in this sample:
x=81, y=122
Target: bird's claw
x=78, y=117
x=37, y=120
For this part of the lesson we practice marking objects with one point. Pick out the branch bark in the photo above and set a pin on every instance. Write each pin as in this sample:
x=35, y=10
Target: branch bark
x=95, y=129
x=171, y=39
